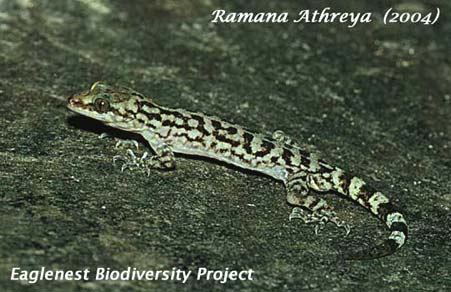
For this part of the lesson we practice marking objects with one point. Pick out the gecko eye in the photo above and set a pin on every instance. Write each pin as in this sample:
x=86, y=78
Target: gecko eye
x=102, y=105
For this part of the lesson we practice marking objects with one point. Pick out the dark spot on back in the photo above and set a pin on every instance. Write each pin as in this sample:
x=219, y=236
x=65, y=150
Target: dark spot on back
x=227, y=140
x=248, y=137
x=147, y=103
x=232, y=130
x=198, y=119
x=201, y=126
x=179, y=115
x=153, y=116
x=216, y=124
x=167, y=123
x=286, y=156
x=266, y=147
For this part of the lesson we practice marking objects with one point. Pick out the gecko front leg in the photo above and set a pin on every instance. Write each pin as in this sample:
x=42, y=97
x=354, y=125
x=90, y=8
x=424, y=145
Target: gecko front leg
x=162, y=159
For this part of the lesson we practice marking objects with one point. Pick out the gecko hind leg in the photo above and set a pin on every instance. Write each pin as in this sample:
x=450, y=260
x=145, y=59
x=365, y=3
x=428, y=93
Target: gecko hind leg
x=311, y=209
x=308, y=208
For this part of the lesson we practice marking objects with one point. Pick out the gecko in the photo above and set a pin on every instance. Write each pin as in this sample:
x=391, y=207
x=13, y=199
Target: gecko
x=170, y=131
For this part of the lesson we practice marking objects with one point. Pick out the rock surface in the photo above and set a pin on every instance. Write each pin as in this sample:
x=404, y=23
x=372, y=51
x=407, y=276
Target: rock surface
x=374, y=99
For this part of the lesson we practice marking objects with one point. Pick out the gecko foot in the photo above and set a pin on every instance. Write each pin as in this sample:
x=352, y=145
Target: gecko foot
x=318, y=218
x=341, y=224
x=146, y=162
x=131, y=160
x=309, y=217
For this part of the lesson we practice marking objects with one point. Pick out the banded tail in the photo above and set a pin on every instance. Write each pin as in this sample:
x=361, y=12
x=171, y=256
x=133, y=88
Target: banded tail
x=376, y=202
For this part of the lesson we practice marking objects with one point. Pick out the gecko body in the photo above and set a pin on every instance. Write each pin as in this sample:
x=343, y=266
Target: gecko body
x=170, y=131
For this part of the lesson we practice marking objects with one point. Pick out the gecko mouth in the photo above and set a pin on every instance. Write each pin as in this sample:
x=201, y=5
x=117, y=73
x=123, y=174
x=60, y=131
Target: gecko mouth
x=87, y=110
x=76, y=105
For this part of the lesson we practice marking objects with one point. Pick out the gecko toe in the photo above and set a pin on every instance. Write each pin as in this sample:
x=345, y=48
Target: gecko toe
x=298, y=213
x=104, y=135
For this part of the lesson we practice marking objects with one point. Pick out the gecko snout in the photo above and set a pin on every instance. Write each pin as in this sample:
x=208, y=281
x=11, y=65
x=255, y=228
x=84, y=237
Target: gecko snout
x=73, y=101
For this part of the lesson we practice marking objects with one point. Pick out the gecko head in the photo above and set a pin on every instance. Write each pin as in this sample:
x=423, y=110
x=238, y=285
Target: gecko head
x=115, y=106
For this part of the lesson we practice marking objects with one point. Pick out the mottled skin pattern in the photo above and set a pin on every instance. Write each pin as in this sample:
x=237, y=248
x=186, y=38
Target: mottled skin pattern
x=170, y=131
